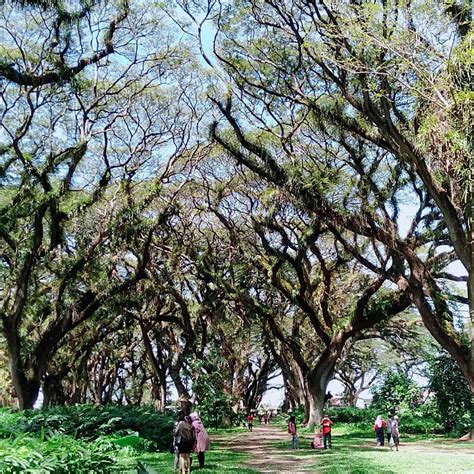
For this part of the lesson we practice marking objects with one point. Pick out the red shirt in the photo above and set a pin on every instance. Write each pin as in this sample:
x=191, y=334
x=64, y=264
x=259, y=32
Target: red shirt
x=326, y=424
x=383, y=426
x=250, y=418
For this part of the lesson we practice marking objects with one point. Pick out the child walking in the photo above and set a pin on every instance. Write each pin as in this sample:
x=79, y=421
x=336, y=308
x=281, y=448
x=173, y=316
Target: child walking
x=292, y=431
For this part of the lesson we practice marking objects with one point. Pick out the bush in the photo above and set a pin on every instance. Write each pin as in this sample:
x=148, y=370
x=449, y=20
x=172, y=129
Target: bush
x=396, y=392
x=412, y=420
x=352, y=415
x=57, y=454
x=298, y=413
x=452, y=395
x=91, y=422
x=215, y=406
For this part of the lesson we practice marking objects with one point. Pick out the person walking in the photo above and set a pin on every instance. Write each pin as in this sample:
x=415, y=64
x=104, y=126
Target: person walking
x=395, y=433
x=174, y=446
x=292, y=430
x=184, y=435
x=250, y=421
x=379, y=426
x=389, y=428
x=326, y=424
x=202, y=441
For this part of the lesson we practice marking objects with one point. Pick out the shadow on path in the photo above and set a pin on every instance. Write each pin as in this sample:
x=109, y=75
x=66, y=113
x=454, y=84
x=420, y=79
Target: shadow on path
x=265, y=456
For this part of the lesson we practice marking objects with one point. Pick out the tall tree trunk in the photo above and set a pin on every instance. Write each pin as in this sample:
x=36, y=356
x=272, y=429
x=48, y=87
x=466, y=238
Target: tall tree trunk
x=183, y=394
x=470, y=285
x=26, y=390
x=315, y=393
x=26, y=387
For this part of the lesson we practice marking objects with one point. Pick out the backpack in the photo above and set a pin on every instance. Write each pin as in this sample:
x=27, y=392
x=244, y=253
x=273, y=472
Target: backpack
x=186, y=432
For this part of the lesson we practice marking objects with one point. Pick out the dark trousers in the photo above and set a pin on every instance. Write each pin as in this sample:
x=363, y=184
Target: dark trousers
x=327, y=440
x=379, y=436
x=200, y=457
x=389, y=435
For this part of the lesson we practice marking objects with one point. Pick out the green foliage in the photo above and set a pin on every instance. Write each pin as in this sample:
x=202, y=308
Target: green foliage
x=423, y=419
x=90, y=422
x=81, y=438
x=352, y=415
x=298, y=413
x=452, y=395
x=395, y=392
x=215, y=406
x=59, y=453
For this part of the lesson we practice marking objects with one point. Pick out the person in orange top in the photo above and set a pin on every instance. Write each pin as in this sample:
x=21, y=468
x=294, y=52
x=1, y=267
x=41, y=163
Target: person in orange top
x=326, y=423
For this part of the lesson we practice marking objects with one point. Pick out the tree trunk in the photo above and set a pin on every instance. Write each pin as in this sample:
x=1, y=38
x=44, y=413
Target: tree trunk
x=162, y=393
x=26, y=388
x=470, y=286
x=183, y=394
x=315, y=392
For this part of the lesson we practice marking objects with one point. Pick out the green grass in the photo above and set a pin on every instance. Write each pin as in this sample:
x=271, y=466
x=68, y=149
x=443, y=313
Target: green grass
x=347, y=458
x=354, y=452
x=220, y=459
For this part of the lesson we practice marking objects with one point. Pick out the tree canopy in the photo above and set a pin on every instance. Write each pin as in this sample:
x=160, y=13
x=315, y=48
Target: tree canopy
x=215, y=194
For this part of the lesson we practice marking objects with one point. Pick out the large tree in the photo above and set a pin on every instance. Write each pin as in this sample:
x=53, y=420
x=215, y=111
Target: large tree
x=82, y=160
x=355, y=87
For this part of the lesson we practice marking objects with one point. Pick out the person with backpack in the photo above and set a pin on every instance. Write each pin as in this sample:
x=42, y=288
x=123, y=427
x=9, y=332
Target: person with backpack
x=326, y=424
x=292, y=431
x=202, y=438
x=184, y=436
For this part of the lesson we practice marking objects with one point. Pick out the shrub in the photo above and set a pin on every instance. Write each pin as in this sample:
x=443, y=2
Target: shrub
x=90, y=422
x=412, y=420
x=452, y=395
x=215, y=406
x=57, y=454
x=298, y=413
x=396, y=392
x=352, y=415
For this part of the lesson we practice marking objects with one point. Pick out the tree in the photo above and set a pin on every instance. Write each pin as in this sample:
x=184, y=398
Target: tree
x=402, y=344
x=452, y=394
x=354, y=86
x=289, y=271
x=61, y=58
x=72, y=227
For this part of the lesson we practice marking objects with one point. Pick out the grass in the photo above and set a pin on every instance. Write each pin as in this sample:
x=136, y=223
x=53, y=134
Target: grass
x=345, y=457
x=219, y=459
x=355, y=453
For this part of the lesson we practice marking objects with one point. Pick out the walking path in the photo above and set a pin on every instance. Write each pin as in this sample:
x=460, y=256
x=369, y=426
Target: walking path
x=262, y=446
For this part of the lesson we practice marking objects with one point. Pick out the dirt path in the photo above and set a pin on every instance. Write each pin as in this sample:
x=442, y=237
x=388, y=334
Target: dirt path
x=260, y=445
